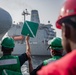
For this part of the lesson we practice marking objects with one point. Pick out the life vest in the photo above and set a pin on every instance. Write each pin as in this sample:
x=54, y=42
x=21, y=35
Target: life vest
x=10, y=62
x=54, y=58
x=9, y=72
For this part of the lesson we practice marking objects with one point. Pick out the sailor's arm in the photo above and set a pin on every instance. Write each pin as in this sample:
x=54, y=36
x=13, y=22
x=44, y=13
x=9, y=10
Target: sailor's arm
x=30, y=65
x=27, y=44
x=28, y=52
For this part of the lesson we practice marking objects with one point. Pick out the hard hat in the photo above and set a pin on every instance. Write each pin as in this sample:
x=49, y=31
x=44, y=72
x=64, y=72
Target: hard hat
x=56, y=44
x=68, y=10
x=8, y=42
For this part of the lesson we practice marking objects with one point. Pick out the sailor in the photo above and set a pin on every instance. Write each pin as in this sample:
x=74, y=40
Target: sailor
x=56, y=51
x=67, y=23
x=10, y=62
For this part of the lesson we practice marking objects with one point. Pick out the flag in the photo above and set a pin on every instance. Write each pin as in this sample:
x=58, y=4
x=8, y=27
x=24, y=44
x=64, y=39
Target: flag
x=29, y=28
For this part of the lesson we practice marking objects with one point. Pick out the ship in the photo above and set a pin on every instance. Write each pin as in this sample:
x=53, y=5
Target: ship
x=39, y=44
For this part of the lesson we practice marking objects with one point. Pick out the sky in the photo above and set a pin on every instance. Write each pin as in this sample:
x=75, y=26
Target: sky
x=48, y=10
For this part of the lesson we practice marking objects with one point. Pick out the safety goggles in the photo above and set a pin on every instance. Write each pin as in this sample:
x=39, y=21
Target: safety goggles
x=54, y=47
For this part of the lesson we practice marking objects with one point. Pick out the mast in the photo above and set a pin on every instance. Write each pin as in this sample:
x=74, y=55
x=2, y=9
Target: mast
x=24, y=13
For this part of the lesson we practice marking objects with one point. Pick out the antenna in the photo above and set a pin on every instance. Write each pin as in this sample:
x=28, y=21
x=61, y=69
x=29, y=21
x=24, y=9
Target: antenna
x=24, y=13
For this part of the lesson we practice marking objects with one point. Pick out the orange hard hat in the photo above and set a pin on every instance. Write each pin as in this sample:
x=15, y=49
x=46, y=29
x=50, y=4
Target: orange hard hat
x=68, y=9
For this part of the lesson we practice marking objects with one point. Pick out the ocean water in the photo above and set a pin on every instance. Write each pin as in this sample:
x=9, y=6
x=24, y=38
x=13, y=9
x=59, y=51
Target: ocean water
x=36, y=60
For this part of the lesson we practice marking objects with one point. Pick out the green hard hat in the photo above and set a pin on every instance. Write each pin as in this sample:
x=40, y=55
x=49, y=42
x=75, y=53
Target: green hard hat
x=56, y=44
x=8, y=42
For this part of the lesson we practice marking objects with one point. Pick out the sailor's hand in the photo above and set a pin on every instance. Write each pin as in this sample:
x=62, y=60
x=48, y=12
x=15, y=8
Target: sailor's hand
x=27, y=38
x=12, y=37
x=29, y=55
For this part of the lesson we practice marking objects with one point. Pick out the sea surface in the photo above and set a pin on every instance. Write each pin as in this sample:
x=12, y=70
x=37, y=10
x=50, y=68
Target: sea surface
x=36, y=60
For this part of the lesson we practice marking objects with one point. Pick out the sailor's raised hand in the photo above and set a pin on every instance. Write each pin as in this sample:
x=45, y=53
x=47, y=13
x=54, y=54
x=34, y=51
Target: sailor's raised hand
x=27, y=44
x=27, y=38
